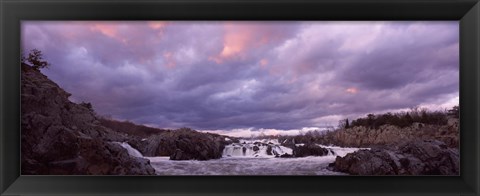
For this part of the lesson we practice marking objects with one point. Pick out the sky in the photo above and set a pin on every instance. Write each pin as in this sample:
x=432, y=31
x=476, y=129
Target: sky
x=240, y=76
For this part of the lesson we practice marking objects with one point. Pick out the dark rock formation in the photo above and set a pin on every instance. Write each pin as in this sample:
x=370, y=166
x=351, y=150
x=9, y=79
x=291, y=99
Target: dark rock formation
x=269, y=150
x=417, y=157
x=182, y=144
x=255, y=148
x=290, y=143
x=61, y=137
x=309, y=150
x=180, y=155
x=285, y=155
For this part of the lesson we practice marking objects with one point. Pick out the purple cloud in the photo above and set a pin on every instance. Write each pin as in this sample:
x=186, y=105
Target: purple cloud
x=238, y=75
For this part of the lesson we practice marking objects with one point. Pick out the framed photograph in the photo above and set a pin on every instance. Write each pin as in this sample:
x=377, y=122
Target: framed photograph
x=211, y=97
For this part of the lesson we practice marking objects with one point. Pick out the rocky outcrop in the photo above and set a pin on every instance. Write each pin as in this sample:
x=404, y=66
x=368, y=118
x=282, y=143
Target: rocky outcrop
x=62, y=137
x=417, y=157
x=183, y=144
x=389, y=134
x=94, y=157
x=309, y=150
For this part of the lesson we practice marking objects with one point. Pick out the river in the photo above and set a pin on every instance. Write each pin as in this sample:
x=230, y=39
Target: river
x=245, y=159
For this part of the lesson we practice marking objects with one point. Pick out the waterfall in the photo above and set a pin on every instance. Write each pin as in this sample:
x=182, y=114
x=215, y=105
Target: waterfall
x=131, y=151
x=255, y=148
x=339, y=151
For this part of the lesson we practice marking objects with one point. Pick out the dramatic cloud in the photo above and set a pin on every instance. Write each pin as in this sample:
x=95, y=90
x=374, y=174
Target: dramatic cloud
x=266, y=76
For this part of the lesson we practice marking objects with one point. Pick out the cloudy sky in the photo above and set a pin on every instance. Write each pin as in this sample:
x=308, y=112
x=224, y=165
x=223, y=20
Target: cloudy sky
x=250, y=75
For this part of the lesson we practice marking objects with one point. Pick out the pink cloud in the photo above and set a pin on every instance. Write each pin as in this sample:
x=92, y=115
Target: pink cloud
x=235, y=42
x=352, y=90
x=240, y=38
x=109, y=30
x=170, y=60
x=157, y=24
x=263, y=63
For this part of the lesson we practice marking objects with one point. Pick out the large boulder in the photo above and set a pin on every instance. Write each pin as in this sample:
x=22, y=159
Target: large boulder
x=62, y=137
x=417, y=157
x=195, y=145
x=309, y=150
x=183, y=144
x=367, y=162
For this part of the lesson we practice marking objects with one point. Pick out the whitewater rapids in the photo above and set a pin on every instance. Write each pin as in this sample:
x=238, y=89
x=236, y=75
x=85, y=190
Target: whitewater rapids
x=239, y=161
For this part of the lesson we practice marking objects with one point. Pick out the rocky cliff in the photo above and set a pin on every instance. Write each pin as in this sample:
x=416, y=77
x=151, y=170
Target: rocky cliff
x=62, y=137
x=388, y=134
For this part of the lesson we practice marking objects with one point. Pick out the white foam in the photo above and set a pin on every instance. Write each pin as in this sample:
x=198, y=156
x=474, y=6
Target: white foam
x=340, y=151
x=255, y=148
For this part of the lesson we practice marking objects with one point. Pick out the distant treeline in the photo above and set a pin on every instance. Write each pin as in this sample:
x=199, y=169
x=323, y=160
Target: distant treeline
x=372, y=121
x=403, y=119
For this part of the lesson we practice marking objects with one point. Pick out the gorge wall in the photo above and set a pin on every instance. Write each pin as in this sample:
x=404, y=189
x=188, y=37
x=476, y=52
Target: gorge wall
x=388, y=134
x=62, y=137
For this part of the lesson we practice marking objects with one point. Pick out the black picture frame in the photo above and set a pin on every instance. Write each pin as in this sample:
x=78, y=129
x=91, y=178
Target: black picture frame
x=12, y=12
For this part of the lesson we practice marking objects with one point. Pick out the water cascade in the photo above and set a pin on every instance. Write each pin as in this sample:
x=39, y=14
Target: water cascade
x=131, y=151
x=271, y=148
x=256, y=148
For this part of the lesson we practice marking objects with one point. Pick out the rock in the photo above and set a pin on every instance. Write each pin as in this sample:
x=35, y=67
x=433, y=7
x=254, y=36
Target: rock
x=179, y=155
x=111, y=159
x=366, y=162
x=437, y=157
x=60, y=137
x=285, y=155
x=193, y=144
x=417, y=157
x=269, y=150
x=255, y=148
x=309, y=150
x=331, y=166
